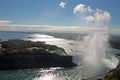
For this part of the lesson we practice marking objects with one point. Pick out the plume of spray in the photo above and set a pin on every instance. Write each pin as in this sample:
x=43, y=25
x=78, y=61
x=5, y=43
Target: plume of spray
x=95, y=47
x=95, y=44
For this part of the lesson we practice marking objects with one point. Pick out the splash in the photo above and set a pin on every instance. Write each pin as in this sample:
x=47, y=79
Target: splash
x=95, y=45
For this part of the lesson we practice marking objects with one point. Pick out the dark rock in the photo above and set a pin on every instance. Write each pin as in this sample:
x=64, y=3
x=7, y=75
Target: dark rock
x=20, y=54
x=29, y=61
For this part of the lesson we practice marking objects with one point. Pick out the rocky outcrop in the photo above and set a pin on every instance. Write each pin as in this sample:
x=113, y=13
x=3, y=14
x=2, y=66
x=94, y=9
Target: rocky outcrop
x=39, y=60
x=20, y=54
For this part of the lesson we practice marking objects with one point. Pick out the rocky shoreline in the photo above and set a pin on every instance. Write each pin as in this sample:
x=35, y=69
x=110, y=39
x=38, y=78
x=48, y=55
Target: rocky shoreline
x=20, y=54
x=29, y=61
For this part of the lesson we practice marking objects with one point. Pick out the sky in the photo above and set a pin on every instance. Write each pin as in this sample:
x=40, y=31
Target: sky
x=19, y=14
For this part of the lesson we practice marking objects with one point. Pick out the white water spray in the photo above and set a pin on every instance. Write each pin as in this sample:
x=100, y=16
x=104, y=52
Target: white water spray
x=95, y=46
x=94, y=52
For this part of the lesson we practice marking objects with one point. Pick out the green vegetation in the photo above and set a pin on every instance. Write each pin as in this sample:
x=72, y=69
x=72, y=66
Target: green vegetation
x=58, y=51
x=22, y=46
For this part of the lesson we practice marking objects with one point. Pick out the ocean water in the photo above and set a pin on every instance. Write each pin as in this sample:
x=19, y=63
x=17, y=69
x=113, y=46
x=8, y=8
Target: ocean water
x=72, y=46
